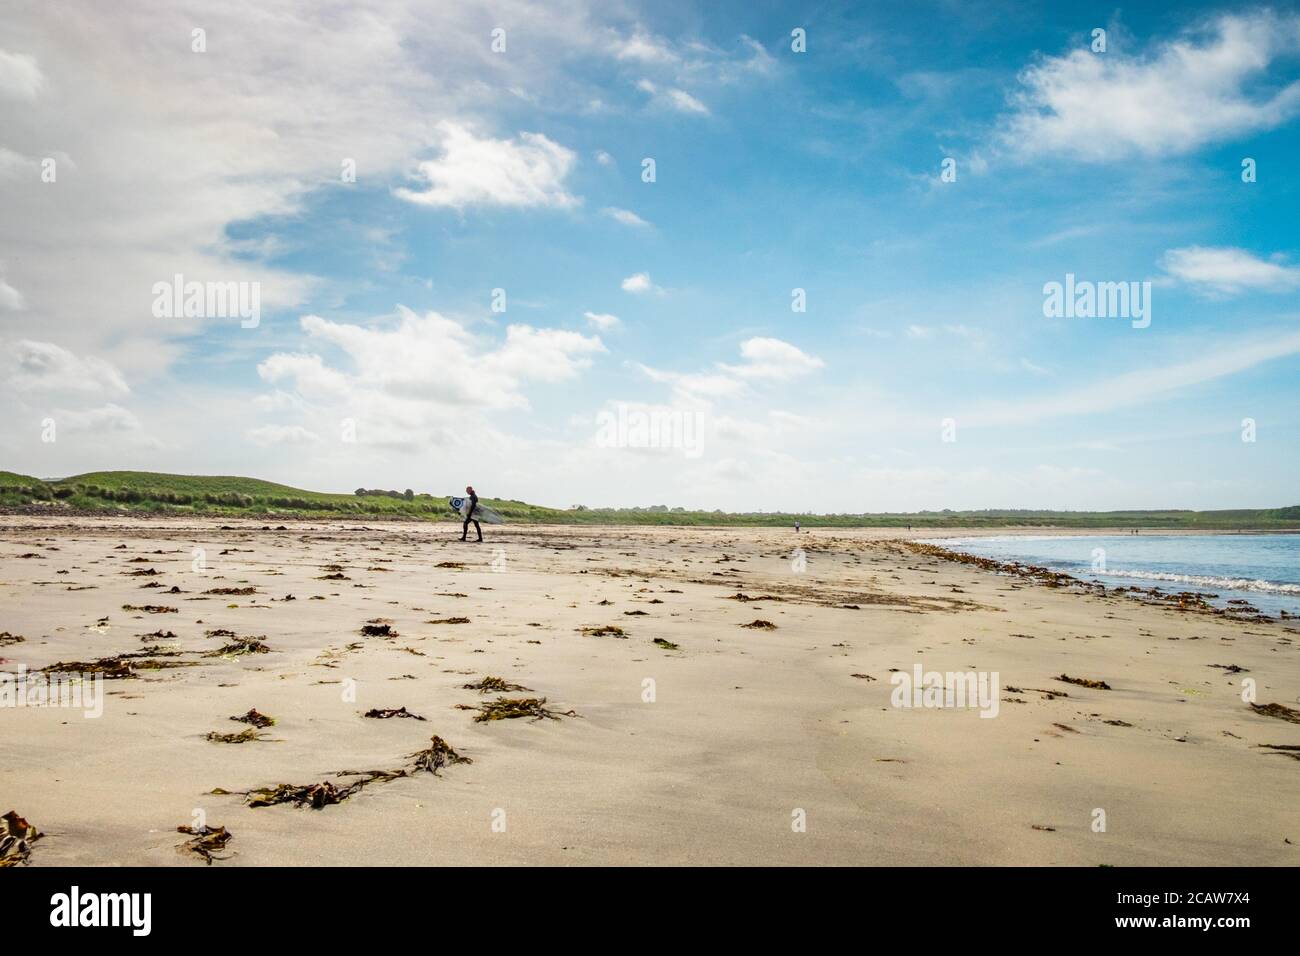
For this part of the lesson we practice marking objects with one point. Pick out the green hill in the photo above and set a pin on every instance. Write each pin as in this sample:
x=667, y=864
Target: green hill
x=108, y=491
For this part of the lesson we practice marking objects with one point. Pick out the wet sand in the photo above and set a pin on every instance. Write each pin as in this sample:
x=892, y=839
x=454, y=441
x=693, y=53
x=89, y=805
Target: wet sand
x=749, y=731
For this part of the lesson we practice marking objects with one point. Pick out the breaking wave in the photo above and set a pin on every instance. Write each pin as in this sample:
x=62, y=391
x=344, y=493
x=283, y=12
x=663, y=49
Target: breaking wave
x=1205, y=581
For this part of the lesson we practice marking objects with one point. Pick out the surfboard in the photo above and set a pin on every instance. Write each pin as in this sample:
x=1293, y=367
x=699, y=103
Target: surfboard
x=482, y=513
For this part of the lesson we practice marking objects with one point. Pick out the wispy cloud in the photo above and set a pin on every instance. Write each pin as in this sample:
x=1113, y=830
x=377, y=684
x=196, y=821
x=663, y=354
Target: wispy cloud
x=673, y=98
x=625, y=216
x=1133, y=389
x=1229, y=270
x=764, y=360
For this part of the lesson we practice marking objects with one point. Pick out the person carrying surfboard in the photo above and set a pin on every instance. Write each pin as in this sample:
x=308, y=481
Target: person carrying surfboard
x=469, y=515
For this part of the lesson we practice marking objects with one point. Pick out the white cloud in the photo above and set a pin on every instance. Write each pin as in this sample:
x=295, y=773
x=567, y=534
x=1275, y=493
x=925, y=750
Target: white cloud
x=672, y=98
x=1201, y=88
x=604, y=158
x=266, y=435
x=528, y=171
x=1229, y=270
x=644, y=48
x=43, y=366
x=602, y=320
x=765, y=360
x=106, y=418
x=625, y=216
x=160, y=149
x=10, y=298
x=20, y=76
x=774, y=360
x=638, y=284
x=424, y=377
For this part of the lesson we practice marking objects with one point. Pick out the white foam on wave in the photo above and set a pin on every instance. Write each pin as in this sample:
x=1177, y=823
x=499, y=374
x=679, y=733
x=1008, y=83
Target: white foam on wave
x=1205, y=581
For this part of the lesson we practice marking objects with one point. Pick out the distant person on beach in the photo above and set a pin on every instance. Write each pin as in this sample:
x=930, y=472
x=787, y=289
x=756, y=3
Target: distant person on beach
x=796, y=527
x=469, y=515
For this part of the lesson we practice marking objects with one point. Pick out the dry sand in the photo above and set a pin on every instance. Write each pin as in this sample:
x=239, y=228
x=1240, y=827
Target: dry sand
x=747, y=728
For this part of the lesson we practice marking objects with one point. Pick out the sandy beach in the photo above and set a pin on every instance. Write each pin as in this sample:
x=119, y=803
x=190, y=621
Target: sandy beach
x=722, y=744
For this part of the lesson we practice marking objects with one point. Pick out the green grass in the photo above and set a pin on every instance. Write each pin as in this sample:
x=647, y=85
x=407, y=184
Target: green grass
x=191, y=484
x=9, y=479
x=107, y=491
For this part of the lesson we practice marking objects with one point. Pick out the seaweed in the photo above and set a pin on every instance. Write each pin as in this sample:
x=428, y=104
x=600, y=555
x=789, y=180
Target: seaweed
x=607, y=630
x=7, y=638
x=244, y=736
x=150, y=608
x=495, y=685
x=1280, y=711
x=437, y=755
x=386, y=712
x=378, y=628
x=666, y=645
x=235, y=591
x=239, y=647
x=1283, y=750
x=204, y=840
x=510, y=708
x=449, y=620
x=314, y=795
x=1084, y=682
x=16, y=839
x=255, y=718
x=760, y=625
x=111, y=668
x=745, y=598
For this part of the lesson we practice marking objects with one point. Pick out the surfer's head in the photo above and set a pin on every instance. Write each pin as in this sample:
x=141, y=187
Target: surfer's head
x=469, y=489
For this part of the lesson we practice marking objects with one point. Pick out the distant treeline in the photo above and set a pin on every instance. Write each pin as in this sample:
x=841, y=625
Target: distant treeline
x=407, y=495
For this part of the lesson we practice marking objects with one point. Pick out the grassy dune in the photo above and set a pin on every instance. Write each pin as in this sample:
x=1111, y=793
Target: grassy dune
x=108, y=491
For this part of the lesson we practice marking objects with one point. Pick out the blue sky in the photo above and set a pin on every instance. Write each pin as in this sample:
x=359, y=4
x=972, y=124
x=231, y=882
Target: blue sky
x=379, y=361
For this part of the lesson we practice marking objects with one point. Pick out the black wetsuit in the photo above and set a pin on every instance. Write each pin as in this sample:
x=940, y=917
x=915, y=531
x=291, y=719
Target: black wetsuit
x=469, y=516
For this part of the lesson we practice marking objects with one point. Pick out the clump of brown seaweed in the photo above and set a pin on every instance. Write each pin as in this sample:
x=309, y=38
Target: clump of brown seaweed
x=607, y=630
x=495, y=685
x=1280, y=711
x=1084, y=682
x=384, y=713
x=437, y=755
x=204, y=841
x=16, y=839
x=255, y=718
x=239, y=647
x=511, y=708
x=247, y=735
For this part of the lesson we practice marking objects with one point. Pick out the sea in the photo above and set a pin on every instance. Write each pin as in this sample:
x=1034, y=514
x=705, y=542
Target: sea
x=1263, y=569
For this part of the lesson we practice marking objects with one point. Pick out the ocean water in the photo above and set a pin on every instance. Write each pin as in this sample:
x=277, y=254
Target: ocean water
x=1263, y=569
